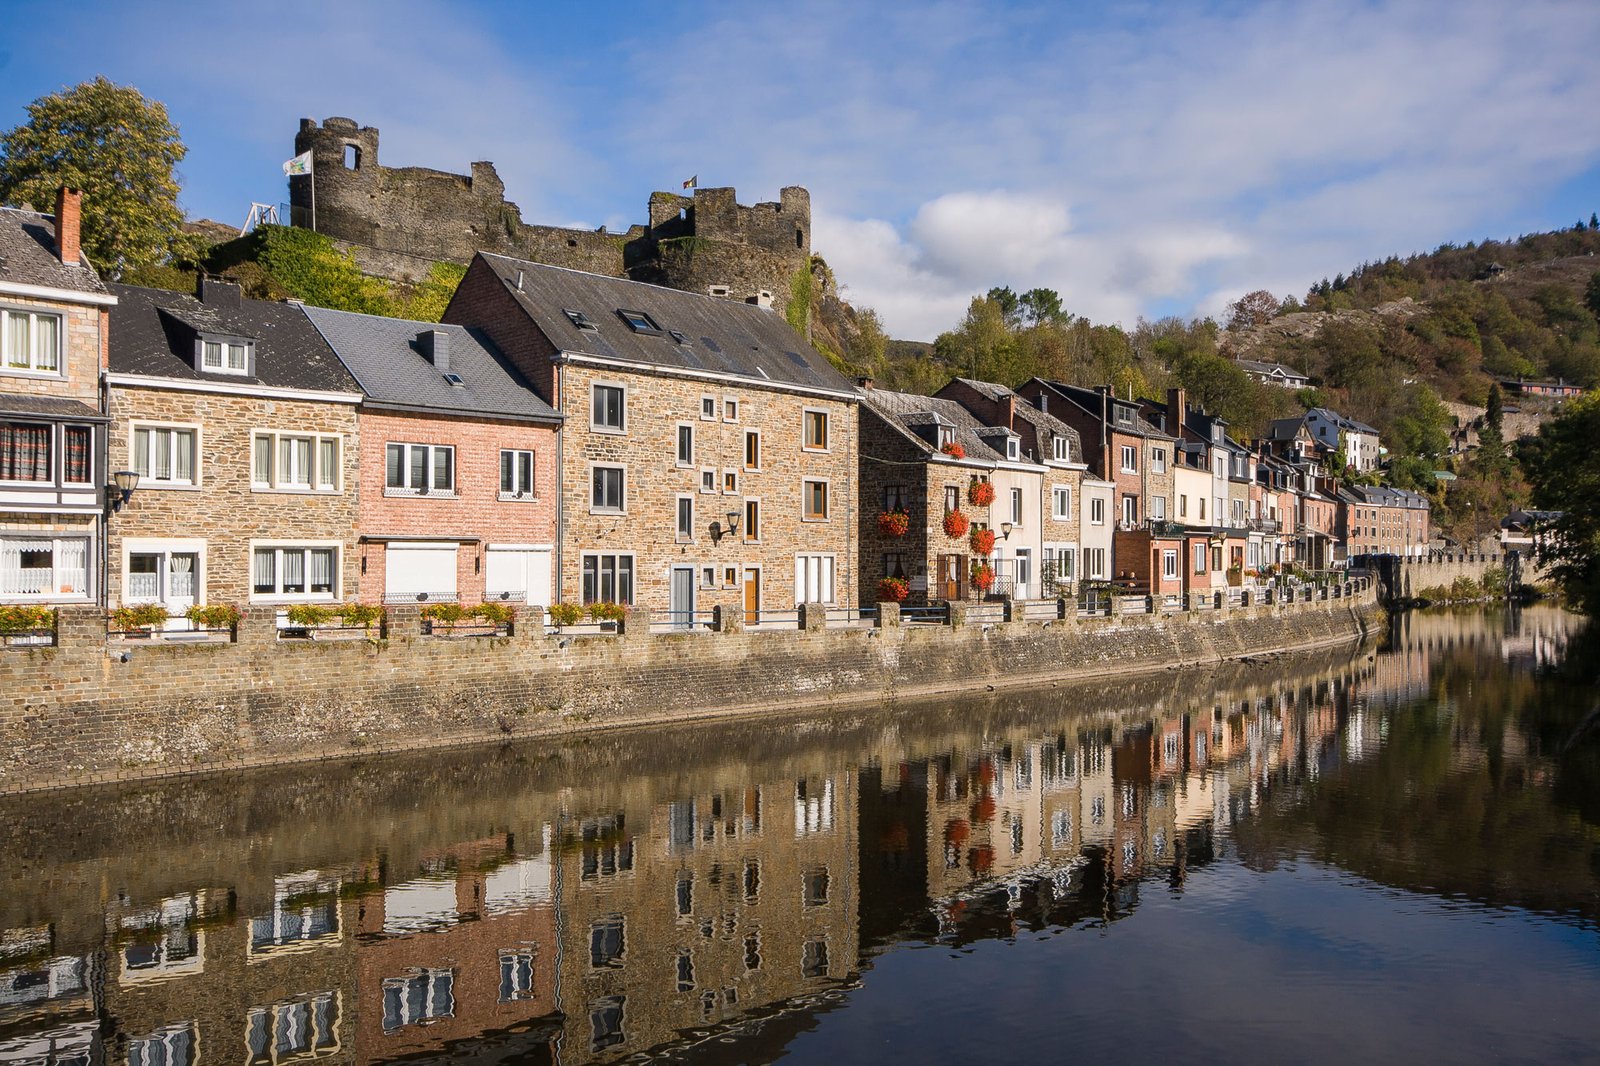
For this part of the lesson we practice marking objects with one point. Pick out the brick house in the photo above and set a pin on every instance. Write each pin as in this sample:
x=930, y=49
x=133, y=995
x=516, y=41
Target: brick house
x=53, y=324
x=1054, y=445
x=242, y=426
x=708, y=453
x=1377, y=520
x=458, y=464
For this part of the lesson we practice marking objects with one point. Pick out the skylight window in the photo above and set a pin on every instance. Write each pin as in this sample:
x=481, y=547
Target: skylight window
x=581, y=320
x=455, y=379
x=638, y=321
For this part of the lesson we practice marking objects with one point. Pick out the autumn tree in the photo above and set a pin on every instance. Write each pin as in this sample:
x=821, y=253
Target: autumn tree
x=1564, y=468
x=120, y=150
x=1252, y=309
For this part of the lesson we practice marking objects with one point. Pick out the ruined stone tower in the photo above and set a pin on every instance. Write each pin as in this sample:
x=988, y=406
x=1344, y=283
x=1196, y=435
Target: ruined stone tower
x=398, y=221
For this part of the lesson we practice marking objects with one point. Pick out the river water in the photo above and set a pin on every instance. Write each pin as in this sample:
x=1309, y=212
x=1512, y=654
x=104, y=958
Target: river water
x=1387, y=853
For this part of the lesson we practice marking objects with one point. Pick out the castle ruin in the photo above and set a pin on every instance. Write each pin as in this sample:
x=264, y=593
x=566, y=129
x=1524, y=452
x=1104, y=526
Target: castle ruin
x=398, y=221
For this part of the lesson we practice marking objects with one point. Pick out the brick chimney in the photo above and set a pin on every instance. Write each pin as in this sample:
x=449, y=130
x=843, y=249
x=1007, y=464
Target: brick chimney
x=69, y=219
x=865, y=383
x=1011, y=411
x=1176, y=401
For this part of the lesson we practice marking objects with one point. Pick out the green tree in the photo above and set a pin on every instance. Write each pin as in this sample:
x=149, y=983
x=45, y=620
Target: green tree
x=1252, y=309
x=120, y=150
x=1564, y=468
x=1040, y=306
x=1591, y=295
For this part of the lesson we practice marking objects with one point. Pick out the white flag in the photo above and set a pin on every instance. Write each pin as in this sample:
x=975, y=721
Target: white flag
x=300, y=164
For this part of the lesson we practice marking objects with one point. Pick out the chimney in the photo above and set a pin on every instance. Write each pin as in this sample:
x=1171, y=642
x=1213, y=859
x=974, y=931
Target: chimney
x=1011, y=411
x=865, y=383
x=435, y=344
x=1175, y=411
x=69, y=218
x=214, y=292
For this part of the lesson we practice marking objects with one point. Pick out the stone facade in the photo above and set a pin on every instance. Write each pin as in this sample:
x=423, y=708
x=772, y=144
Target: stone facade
x=221, y=518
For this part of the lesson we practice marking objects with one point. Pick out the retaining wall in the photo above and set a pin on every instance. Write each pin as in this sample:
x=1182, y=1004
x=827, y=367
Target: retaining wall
x=91, y=710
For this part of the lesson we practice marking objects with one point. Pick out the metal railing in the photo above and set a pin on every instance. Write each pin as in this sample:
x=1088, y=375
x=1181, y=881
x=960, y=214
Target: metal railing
x=840, y=617
x=925, y=614
x=682, y=621
x=419, y=597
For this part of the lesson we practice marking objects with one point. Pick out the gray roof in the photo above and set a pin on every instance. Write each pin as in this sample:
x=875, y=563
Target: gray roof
x=1040, y=420
x=1342, y=421
x=387, y=360
x=719, y=336
x=48, y=407
x=153, y=334
x=1089, y=400
x=907, y=411
x=1278, y=369
x=1383, y=496
x=1285, y=428
x=28, y=254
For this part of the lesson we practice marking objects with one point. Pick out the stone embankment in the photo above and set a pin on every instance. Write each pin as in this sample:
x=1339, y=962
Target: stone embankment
x=96, y=707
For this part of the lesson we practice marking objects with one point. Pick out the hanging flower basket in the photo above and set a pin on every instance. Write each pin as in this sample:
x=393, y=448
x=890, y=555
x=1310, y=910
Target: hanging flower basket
x=984, y=810
x=957, y=831
x=983, y=578
x=980, y=493
x=893, y=590
x=954, y=450
x=983, y=541
x=894, y=523
x=956, y=524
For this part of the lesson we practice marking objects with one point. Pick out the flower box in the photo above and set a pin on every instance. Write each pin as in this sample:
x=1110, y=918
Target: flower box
x=954, y=450
x=955, y=524
x=983, y=578
x=893, y=590
x=980, y=493
x=894, y=523
x=982, y=541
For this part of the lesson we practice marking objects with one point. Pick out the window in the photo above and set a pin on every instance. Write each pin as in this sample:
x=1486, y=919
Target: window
x=25, y=453
x=295, y=570
x=607, y=490
x=1130, y=509
x=1061, y=449
x=1183, y=506
x=1094, y=564
x=752, y=520
x=816, y=430
x=952, y=498
x=752, y=449
x=1061, y=502
x=815, y=501
x=1013, y=449
x=607, y=409
x=814, y=959
x=1016, y=507
x=947, y=437
x=516, y=975
x=419, y=998
x=1202, y=508
x=308, y=1025
x=639, y=322
x=32, y=567
x=894, y=564
x=685, y=455
x=1097, y=511
x=708, y=479
x=1024, y=567
x=730, y=577
x=685, y=970
x=605, y=1022
x=708, y=577
x=1158, y=508
x=894, y=498
x=418, y=469
x=1158, y=460
x=685, y=518
x=813, y=579
x=164, y=455
x=1130, y=459
x=607, y=942
x=30, y=341
x=708, y=408
x=516, y=474
x=730, y=482
x=165, y=576
x=608, y=579
x=730, y=410
x=224, y=356
x=814, y=891
x=294, y=462
x=1169, y=563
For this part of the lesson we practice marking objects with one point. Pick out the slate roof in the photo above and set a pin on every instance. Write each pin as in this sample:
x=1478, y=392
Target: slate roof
x=720, y=336
x=1285, y=428
x=1041, y=421
x=28, y=254
x=1383, y=496
x=48, y=407
x=1277, y=369
x=387, y=361
x=1342, y=421
x=1089, y=401
x=153, y=334
x=908, y=412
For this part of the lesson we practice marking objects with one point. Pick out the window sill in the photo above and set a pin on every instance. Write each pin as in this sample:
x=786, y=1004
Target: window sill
x=145, y=485
x=608, y=512
x=414, y=494
x=823, y=520
x=19, y=372
x=291, y=598
x=517, y=497
x=282, y=491
x=609, y=431
x=815, y=451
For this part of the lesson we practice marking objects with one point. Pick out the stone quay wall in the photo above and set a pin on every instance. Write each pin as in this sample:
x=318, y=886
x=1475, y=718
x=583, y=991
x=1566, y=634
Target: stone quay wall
x=92, y=709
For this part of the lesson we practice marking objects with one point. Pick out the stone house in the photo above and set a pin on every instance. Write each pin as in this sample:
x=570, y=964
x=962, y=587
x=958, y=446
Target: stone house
x=53, y=324
x=708, y=454
x=242, y=426
x=457, y=461
x=1054, y=445
x=1377, y=520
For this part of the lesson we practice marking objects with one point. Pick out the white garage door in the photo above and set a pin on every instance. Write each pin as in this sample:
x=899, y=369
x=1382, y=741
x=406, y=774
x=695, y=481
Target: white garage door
x=517, y=573
x=412, y=570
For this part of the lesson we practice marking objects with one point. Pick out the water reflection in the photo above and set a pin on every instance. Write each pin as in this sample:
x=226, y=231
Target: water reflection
x=713, y=892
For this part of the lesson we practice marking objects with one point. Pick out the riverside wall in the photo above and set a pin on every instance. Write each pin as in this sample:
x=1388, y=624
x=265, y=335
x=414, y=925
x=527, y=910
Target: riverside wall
x=92, y=709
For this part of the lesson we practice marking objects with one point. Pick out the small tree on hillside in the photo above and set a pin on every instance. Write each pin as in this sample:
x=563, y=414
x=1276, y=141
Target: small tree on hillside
x=1252, y=309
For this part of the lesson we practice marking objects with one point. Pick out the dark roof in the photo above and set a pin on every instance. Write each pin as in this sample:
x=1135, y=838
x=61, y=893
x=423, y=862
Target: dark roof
x=719, y=336
x=1383, y=496
x=1270, y=368
x=1088, y=400
x=28, y=254
x=153, y=334
x=908, y=411
x=386, y=359
x=1040, y=420
x=1285, y=428
x=1342, y=421
x=47, y=407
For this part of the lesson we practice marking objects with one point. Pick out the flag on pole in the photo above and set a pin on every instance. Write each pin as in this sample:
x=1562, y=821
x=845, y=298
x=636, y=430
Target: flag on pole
x=300, y=164
x=692, y=182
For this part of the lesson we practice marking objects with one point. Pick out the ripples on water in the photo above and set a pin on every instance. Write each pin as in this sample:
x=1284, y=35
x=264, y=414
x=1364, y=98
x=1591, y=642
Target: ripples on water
x=1303, y=859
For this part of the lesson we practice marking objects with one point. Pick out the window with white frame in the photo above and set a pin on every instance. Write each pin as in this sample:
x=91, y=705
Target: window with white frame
x=168, y=573
x=607, y=409
x=1158, y=508
x=730, y=409
x=730, y=482
x=225, y=355
x=1016, y=507
x=1061, y=502
x=420, y=469
x=28, y=453
x=1013, y=449
x=44, y=566
x=1061, y=449
x=419, y=998
x=306, y=1025
x=685, y=455
x=165, y=455
x=752, y=449
x=752, y=520
x=1094, y=564
x=608, y=489
x=1169, y=563
x=516, y=474
x=708, y=577
x=289, y=571
x=294, y=462
x=685, y=518
x=30, y=341
x=1130, y=508
x=1130, y=459
x=607, y=578
x=708, y=408
x=816, y=431
x=1200, y=552
x=1158, y=460
x=708, y=479
x=814, y=578
x=1097, y=511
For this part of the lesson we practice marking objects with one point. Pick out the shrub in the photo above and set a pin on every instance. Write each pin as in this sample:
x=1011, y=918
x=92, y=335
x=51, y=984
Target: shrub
x=214, y=615
x=565, y=614
x=894, y=523
x=955, y=524
x=893, y=589
x=983, y=578
x=980, y=493
x=445, y=613
x=954, y=450
x=139, y=616
x=22, y=618
x=1494, y=581
x=983, y=541
x=310, y=614
x=364, y=615
x=607, y=612
x=500, y=614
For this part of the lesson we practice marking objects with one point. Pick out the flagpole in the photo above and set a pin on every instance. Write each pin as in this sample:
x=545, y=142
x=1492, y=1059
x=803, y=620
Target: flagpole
x=312, y=174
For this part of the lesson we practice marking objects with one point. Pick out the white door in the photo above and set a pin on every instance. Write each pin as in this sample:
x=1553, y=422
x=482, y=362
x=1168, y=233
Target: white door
x=517, y=574
x=419, y=571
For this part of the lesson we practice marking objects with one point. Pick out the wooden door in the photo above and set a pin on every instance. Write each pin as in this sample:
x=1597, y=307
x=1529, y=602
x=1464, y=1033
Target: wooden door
x=952, y=577
x=752, y=595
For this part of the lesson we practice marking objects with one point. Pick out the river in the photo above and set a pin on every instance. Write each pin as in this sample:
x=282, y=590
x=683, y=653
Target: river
x=1391, y=852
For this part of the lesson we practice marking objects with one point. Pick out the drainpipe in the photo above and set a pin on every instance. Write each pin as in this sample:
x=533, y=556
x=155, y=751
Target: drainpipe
x=559, y=576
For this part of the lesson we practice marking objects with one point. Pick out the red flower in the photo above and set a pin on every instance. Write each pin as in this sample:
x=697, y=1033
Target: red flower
x=955, y=524
x=893, y=589
x=954, y=450
x=983, y=578
x=983, y=541
x=981, y=493
x=893, y=523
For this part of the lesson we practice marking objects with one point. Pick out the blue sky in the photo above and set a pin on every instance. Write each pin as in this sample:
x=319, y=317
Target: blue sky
x=1142, y=159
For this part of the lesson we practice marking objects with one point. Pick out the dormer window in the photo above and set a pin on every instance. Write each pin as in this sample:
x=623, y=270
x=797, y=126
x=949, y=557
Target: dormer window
x=639, y=322
x=225, y=355
x=947, y=436
x=1013, y=449
x=1124, y=416
x=1062, y=449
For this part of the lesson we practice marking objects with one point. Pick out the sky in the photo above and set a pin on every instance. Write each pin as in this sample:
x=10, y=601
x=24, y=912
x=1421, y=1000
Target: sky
x=1142, y=159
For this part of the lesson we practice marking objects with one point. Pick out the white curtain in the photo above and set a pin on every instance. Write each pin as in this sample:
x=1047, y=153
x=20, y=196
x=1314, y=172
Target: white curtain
x=46, y=328
x=263, y=570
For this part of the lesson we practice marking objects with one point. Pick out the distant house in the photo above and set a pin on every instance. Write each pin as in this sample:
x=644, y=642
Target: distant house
x=1376, y=520
x=1274, y=374
x=1329, y=431
x=458, y=464
x=1559, y=389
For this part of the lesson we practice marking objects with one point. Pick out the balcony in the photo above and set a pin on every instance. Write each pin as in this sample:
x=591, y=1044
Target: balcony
x=1264, y=525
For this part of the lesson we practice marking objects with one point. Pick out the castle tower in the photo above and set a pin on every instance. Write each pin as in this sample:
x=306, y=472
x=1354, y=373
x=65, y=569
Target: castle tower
x=344, y=167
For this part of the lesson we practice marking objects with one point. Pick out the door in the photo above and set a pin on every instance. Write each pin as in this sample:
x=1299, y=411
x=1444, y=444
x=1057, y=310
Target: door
x=419, y=572
x=952, y=577
x=752, y=595
x=1024, y=573
x=519, y=575
x=680, y=603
